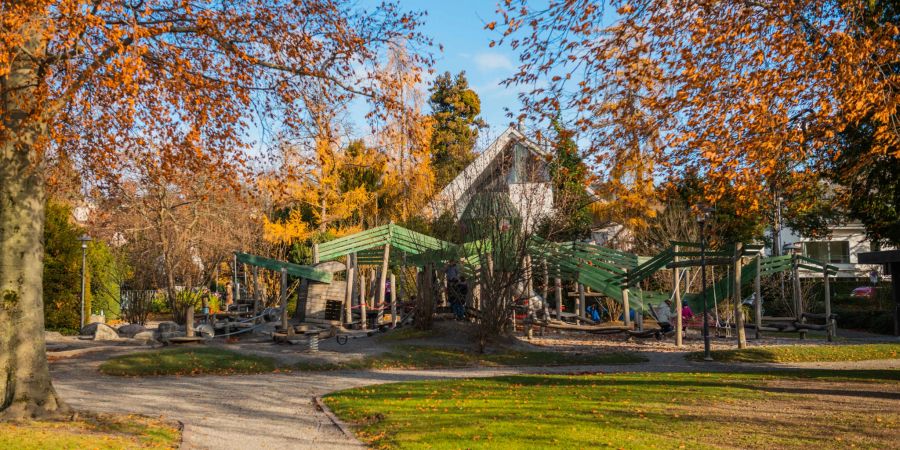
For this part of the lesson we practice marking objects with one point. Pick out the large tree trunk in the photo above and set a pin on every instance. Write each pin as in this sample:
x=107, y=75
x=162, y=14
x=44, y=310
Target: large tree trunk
x=25, y=388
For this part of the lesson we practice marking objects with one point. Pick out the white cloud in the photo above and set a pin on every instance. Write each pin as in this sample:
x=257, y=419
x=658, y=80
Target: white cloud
x=488, y=61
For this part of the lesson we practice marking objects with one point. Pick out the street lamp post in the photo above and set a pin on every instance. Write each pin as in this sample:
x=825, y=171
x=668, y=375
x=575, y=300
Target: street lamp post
x=84, y=243
x=701, y=220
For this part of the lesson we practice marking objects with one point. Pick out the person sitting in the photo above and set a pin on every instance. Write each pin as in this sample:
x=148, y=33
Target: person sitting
x=686, y=313
x=664, y=316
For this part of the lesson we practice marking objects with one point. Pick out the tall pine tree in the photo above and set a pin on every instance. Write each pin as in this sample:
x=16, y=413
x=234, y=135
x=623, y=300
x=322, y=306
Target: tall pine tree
x=455, y=108
x=570, y=180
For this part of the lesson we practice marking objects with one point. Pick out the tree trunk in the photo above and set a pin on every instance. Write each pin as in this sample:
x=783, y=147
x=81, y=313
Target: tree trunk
x=25, y=387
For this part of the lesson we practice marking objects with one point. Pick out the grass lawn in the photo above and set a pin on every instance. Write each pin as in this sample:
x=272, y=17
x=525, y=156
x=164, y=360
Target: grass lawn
x=423, y=357
x=646, y=410
x=94, y=432
x=806, y=353
x=186, y=361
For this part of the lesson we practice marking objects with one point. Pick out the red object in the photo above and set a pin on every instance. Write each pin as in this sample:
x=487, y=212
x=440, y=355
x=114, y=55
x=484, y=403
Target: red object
x=864, y=292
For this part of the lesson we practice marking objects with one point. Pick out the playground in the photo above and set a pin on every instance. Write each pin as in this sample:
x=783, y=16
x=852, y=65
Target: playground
x=317, y=355
x=537, y=286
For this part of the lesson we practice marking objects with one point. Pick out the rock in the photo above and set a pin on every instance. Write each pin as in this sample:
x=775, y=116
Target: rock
x=130, y=330
x=206, y=331
x=52, y=336
x=145, y=336
x=97, y=318
x=100, y=332
x=167, y=327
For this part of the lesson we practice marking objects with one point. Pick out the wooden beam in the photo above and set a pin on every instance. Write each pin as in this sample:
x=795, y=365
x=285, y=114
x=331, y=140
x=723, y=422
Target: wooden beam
x=676, y=286
x=829, y=321
x=581, y=301
x=348, y=296
x=627, y=317
x=736, y=295
x=757, y=292
x=362, y=300
x=393, y=301
x=285, y=325
x=382, y=280
x=559, y=298
x=798, y=300
x=546, y=291
x=696, y=263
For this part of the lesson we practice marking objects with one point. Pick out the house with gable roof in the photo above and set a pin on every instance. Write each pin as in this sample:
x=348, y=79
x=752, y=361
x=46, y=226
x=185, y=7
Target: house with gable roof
x=510, y=180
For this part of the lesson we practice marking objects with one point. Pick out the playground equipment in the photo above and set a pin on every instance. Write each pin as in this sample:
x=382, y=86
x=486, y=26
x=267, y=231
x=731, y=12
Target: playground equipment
x=372, y=279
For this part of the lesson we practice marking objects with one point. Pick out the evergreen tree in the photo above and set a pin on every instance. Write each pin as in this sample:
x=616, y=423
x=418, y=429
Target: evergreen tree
x=62, y=270
x=455, y=108
x=570, y=181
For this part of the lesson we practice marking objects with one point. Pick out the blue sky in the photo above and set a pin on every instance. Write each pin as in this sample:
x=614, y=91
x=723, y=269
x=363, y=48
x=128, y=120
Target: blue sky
x=459, y=26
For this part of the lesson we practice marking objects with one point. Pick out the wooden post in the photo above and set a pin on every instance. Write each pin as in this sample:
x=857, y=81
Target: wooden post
x=679, y=326
x=315, y=255
x=559, y=298
x=830, y=326
x=581, y=300
x=476, y=289
x=362, y=301
x=256, y=291
x=798, y=300
x=676, y=288
x=348, y=297
x=235, y=284
x=736, y=294
x=401, y=289
x=189, y=321
x=627, y=316
x=546, y=293
x=284, y=301
x=393, y=301
x=442, y=282
x=639, y=315
x=529, y=278
x=757, y=293
x=382, y=280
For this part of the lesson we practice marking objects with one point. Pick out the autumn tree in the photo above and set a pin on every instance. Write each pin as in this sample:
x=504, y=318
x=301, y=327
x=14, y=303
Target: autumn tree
x=735, y=91
x=405, y=136
x=98, y=81
x=869, y=192
x=455, y=108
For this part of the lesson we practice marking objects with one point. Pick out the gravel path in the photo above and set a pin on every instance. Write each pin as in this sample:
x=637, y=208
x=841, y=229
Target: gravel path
x=276, y=410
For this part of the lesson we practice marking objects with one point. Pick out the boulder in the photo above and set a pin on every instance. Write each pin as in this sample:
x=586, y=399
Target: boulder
x=97, y=318
x=206, y=331
x=53, y=336
x=130, y=330
x=167, y=327
x=145, y=336
x=100, y=332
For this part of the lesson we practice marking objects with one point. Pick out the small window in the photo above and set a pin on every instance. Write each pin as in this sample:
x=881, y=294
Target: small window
x=835, y=252
x=527, y=167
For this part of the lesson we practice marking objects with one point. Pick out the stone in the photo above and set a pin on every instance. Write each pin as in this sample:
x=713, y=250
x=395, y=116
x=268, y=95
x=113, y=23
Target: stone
x=130, y=330
x=145, y=336
x=100, y=332
x=53, y=336
x=167, y=327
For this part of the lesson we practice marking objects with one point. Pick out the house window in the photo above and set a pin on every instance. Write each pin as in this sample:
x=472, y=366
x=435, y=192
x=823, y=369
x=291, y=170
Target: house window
x=835, y=252
x=527, y=167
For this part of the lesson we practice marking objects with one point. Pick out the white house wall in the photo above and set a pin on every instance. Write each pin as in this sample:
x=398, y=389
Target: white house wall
x=533, y=201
